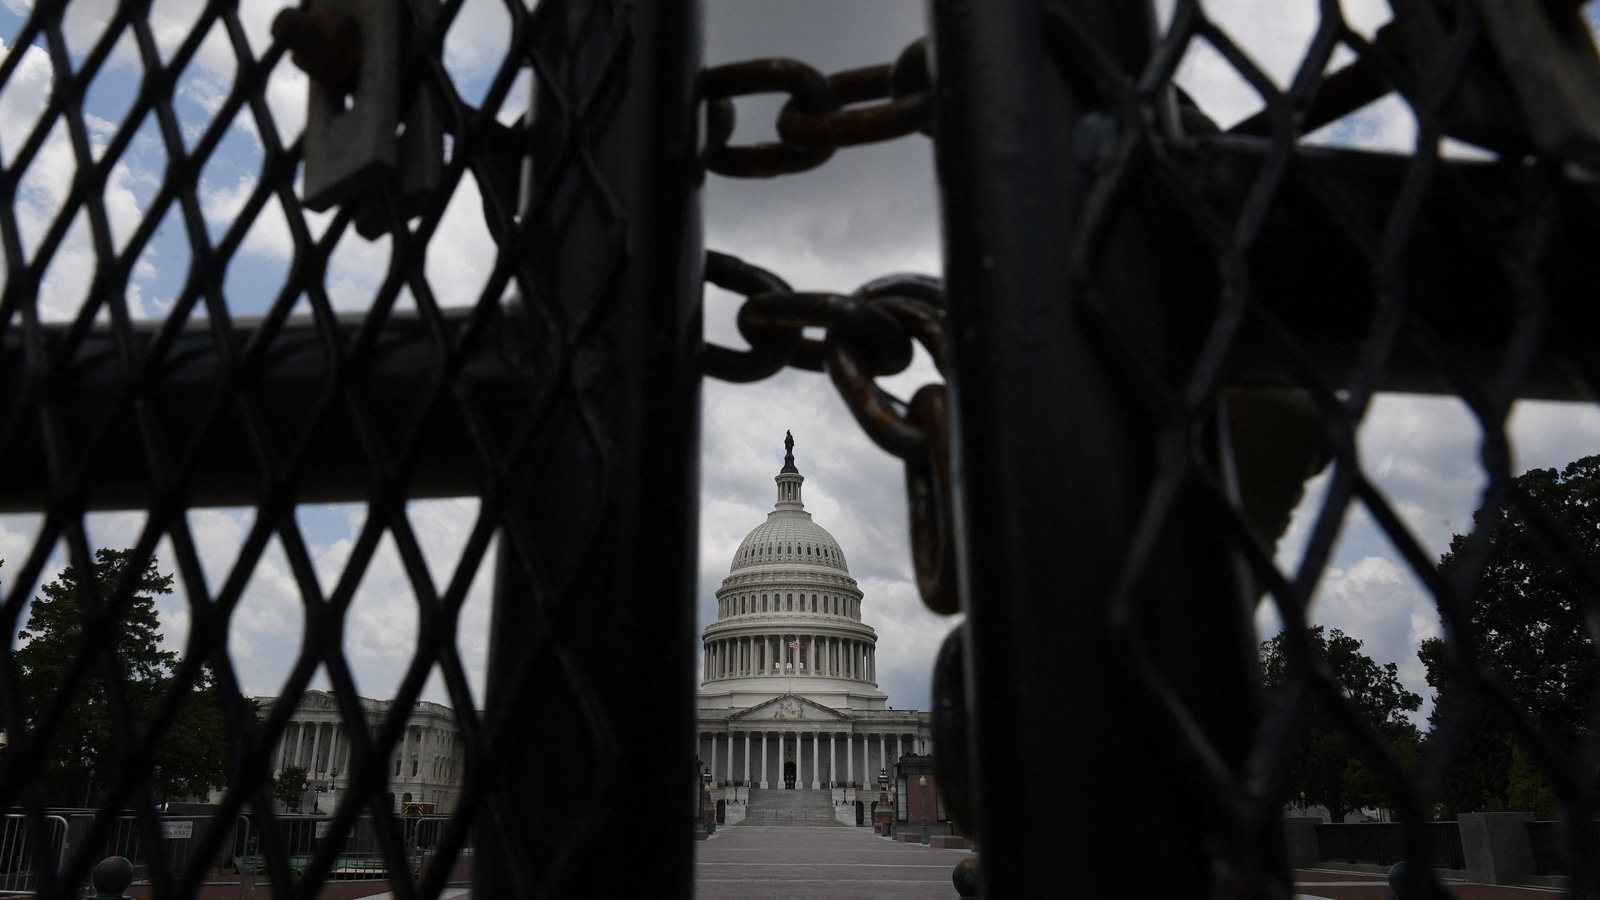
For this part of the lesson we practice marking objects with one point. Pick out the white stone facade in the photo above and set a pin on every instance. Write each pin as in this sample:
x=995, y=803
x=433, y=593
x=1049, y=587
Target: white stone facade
x=424, y=767
x=789, y=668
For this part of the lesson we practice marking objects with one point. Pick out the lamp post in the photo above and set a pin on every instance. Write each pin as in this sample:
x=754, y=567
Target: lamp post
x=705, y=801
x=922, y=782
x=883, y=791
x=894, y=811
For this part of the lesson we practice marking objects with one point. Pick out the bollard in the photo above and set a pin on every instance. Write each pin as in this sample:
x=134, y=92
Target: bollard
x=1398, y=873
x=965, y=878
x=111, y=877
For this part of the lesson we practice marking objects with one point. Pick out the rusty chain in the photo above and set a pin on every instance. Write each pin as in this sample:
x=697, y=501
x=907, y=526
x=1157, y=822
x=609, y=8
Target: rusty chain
x=869, y=332
x=821, y=115
x=869, y=335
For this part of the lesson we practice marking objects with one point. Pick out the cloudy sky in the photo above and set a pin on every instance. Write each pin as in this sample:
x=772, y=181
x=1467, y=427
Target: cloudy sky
x=869, y=212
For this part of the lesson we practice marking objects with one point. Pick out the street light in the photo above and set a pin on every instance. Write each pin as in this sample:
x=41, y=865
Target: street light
x=705, y=800
x=894, y=811
x=922, y=781
x=883, y=791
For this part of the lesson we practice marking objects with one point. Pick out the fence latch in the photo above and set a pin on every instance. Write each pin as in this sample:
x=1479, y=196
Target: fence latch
x=356, y=137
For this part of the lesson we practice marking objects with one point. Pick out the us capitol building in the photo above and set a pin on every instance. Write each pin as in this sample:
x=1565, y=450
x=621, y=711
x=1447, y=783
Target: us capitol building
x=789, y=694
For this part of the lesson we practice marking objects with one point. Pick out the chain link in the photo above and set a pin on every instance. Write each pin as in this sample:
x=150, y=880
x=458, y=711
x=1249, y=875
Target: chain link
x=815, y=122
x=869, y=335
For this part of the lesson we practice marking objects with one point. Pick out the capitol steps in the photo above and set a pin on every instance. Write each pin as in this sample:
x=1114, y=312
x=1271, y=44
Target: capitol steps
x=784, y=807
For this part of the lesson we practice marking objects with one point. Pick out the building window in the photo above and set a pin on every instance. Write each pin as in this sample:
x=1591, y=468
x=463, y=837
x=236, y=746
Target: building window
x=791, y=603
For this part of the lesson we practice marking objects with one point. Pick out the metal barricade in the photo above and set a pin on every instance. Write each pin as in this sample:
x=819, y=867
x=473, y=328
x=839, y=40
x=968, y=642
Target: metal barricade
x=23, y=855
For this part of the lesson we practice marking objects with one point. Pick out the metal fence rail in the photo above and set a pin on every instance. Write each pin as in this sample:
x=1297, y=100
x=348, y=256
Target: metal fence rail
x=1124, y=279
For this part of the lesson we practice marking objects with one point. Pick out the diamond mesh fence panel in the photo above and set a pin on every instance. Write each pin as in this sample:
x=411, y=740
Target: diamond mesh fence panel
x=1179, y=285
x=496, y=308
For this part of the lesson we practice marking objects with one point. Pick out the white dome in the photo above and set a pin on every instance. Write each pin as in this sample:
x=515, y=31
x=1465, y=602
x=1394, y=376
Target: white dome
x=789, y=537
x=789, y=616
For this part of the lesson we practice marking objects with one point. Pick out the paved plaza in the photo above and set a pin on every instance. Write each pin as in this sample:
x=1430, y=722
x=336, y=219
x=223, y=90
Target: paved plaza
x=777, y=862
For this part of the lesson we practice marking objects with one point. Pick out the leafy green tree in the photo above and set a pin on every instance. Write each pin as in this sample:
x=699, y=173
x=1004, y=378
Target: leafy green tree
x=1322, y=760
x=289, y=786
x=193, y=756
x=1528, y=626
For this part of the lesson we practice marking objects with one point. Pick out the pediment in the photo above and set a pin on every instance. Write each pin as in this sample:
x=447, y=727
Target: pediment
x=788, y=708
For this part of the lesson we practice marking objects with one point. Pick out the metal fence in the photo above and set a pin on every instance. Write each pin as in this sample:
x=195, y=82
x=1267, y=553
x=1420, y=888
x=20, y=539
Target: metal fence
x=1384, y=844
x=1125, y=282
x=1553, y=845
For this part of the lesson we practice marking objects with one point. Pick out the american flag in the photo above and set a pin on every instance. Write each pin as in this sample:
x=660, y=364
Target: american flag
x=794, y=643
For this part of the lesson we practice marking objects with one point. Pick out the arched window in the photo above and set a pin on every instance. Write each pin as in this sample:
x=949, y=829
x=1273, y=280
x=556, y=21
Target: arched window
x=808, y=551
x=813, y=602
x=791, y=603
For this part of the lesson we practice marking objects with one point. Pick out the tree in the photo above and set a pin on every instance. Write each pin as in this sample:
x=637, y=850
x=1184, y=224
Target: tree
x=289, y=786
x=1527, y=625
x=1322, y=760
x=193, y=755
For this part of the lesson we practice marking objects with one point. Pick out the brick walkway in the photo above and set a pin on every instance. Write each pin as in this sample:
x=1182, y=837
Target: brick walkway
x=784, y=862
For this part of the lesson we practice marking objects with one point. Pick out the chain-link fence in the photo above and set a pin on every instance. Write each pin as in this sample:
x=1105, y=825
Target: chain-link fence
x=1156, y=326
x=539, y=387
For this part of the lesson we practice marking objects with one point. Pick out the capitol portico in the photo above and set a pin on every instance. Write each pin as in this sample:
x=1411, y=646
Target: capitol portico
x=789, y=693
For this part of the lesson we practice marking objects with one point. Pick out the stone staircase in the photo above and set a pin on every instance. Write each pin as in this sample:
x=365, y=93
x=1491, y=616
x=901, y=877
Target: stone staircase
x=799, y=807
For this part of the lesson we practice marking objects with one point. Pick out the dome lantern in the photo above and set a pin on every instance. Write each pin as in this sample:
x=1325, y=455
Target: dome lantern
x=789, y=478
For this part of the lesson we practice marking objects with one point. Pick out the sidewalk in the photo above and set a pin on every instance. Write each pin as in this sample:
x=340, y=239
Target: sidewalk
x=1326, y=884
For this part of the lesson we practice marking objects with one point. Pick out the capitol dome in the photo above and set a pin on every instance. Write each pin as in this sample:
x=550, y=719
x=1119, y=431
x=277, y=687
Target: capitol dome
x=789, y=537
x=789, y=616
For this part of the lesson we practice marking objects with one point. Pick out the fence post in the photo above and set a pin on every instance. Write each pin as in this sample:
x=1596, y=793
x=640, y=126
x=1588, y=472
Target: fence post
x=1061, y=445
x=590, y=696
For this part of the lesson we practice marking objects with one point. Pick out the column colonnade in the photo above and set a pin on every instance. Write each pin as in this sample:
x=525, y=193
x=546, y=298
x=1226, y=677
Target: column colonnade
x=820, y=654
x=754, y=756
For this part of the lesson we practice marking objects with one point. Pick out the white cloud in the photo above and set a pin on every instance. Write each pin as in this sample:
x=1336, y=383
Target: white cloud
x=23, y=97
